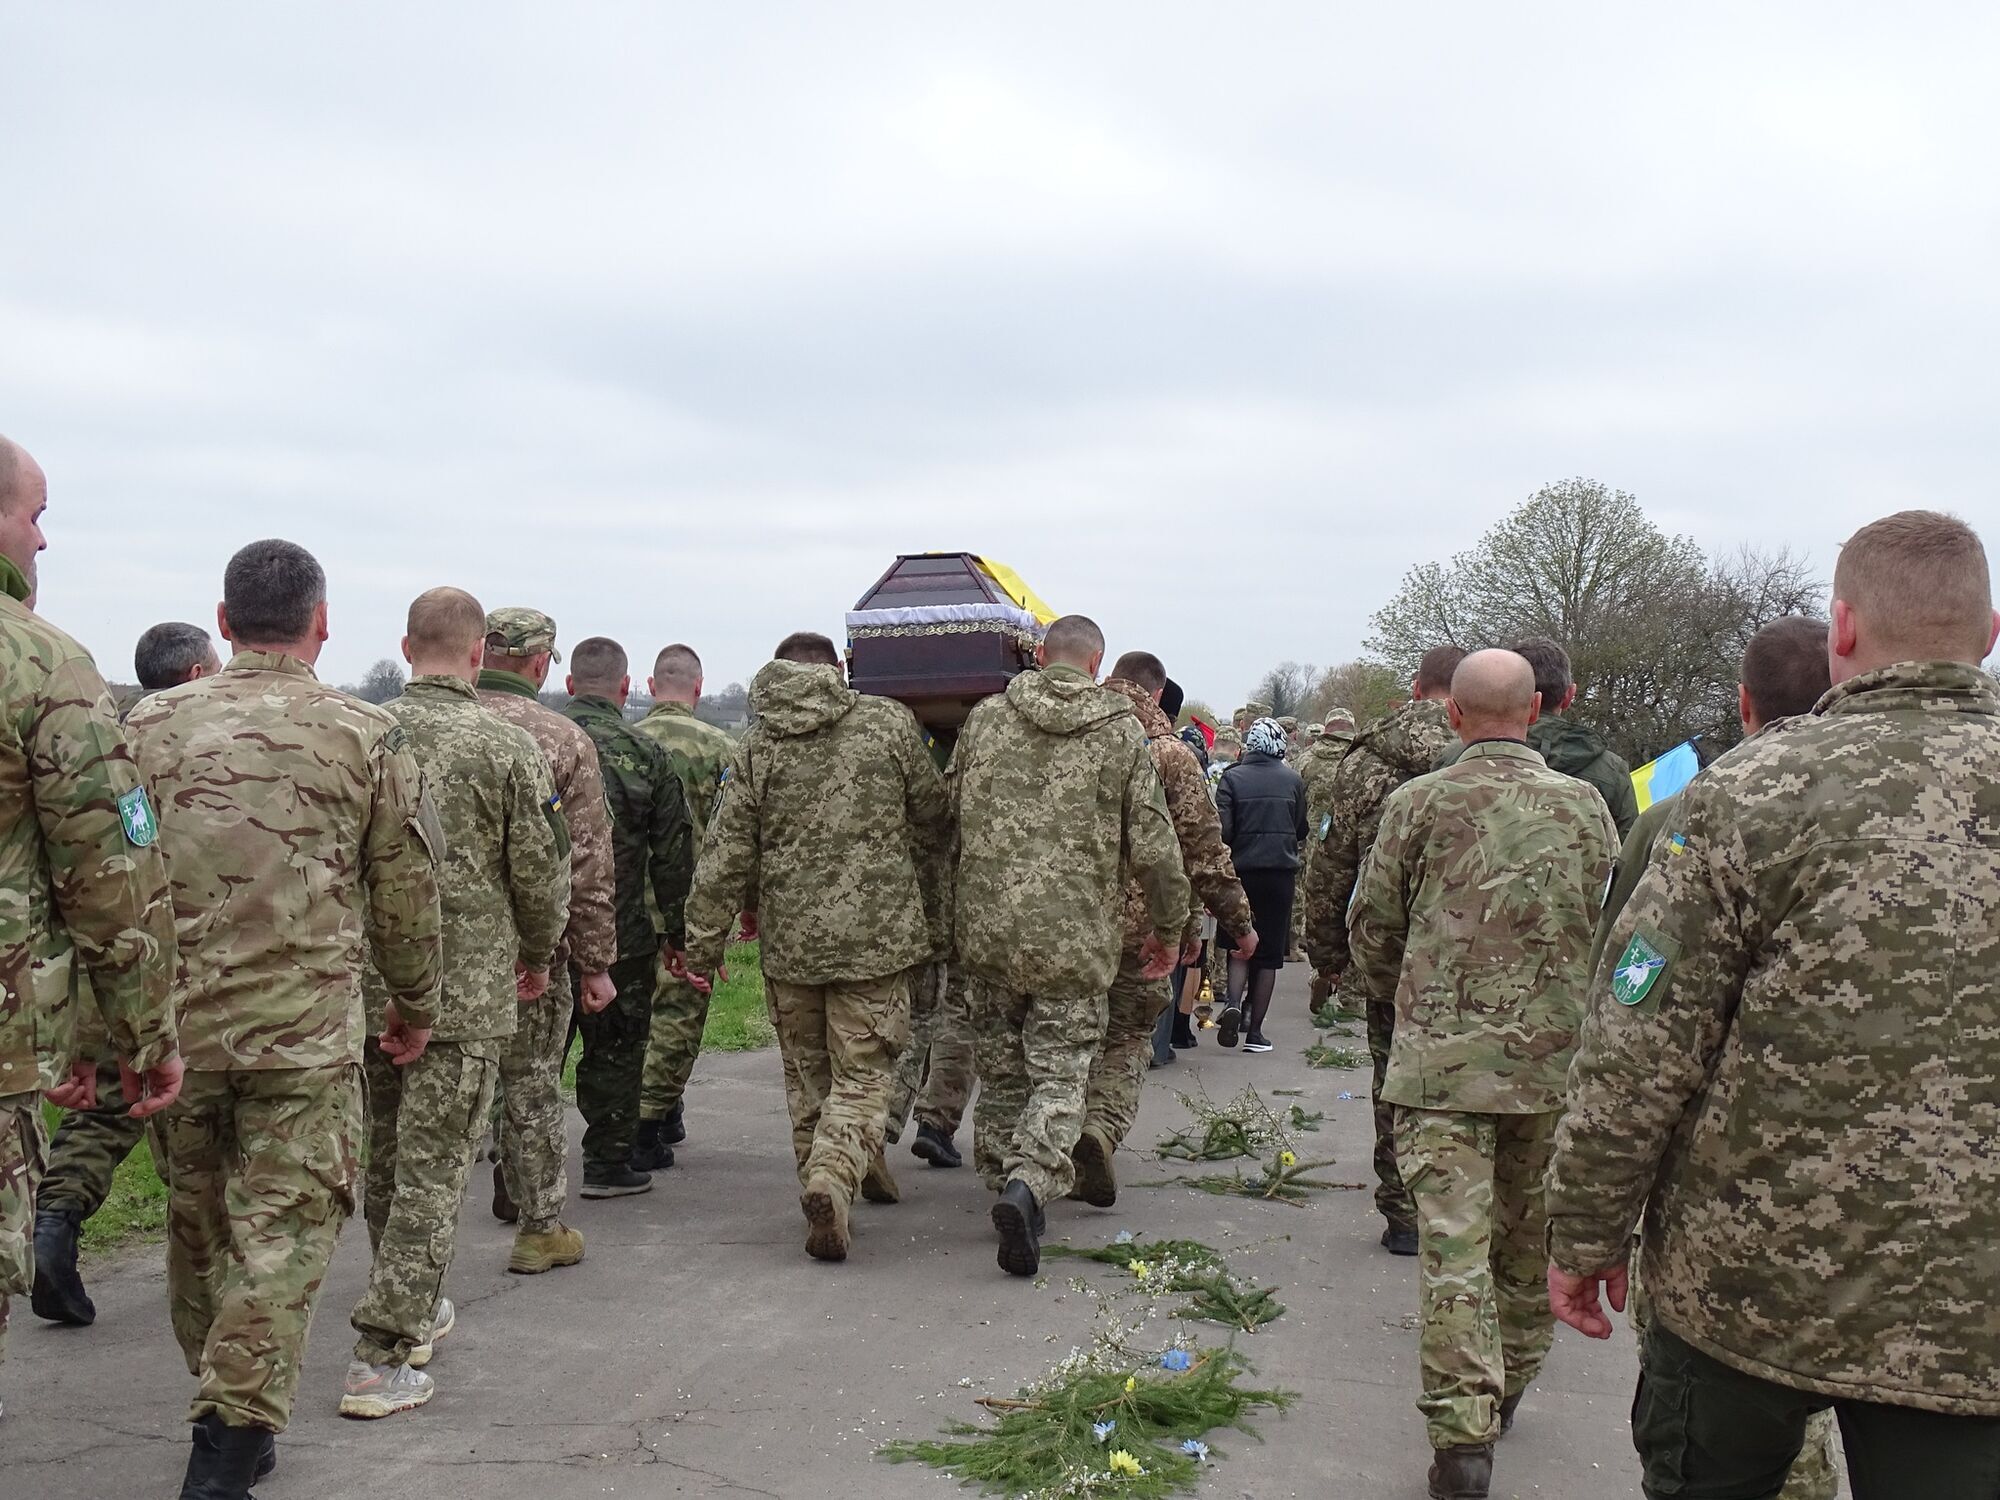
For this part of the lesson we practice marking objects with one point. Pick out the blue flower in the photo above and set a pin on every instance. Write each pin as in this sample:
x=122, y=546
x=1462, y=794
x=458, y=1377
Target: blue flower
x=1177, y=1360
x=1195, y=1449
x=1103, y=1430
x=1124, y=1237
x=1346, y=1096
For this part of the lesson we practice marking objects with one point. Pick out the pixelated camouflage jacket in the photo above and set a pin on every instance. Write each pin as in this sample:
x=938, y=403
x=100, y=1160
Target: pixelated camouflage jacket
x=591, y=939
x=1318, y=768
x=83, y=891
x=1474, y=913
x=698, y=751
x=503, y=876
x=294, y=829
x=1794, y=1049
x=652, y=837
x=1204, y=857
x=829, y=808
x=1057, y=806
x=1403, y=744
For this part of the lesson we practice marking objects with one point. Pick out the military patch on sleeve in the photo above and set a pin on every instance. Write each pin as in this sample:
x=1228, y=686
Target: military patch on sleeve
x=558, y=824
x=1641, y=966
x=135, y=812
x=395, y=739
x=1678, y=844
x=1325, y=826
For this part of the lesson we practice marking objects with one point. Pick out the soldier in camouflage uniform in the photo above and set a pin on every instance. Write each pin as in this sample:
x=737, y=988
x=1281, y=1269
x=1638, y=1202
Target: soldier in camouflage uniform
x=90, y=1143
x=1790, y=1062
x=1473, y=916
x=1057, y=806
x=294, y=828
x=935, y=1074
x=82, y=886
x=1404, y=744
x=1135, y=1003
x=1329, y=742
x=530, y=1183
x=652, y=845
x=503, y=884
x=697, y=752
x=831, y=806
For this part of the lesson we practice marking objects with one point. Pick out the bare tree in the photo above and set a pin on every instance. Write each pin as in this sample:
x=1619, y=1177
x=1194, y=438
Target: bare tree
x=1287, y=688
x=381, y=682
x=1366, y=689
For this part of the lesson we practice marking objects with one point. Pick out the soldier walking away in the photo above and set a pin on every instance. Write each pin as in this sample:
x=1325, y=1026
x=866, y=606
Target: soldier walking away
x=1790, y=1064
x=830, y=808
x=1057, y=806
x=1473, y=916
x=935, y=1074
x=503, y=890
x=87, y=887
x=697, y=752
x=1404, y=744
x=530, y=1184
x=652, y=847
x=293, y=828
x=90, y=1143
x=1135, y=1003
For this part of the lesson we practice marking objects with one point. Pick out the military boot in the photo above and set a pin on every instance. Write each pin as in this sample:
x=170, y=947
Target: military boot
x=1462, y=1473
x=1508, y=1408
x=1096, y=1183
x=59, y=1295
x=225, y=1461
x=650, y=1151
x=504, y=1208
x=1019, y=1219
x=1399, y=1239
x=877, y=1186
x=825, y=1207
x=934, y=1146
x=547, y=1250
x=673, y=1129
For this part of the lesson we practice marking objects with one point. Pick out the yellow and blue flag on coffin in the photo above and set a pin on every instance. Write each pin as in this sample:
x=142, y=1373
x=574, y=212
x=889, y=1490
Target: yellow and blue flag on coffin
x=1657, y=780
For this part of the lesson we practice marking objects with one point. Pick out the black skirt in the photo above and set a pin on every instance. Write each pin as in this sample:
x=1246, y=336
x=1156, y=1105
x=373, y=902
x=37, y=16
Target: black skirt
x=1270, y=893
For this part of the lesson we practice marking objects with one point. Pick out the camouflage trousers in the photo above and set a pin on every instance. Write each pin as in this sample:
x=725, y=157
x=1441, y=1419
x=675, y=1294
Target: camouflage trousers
x=22, y=1149
x=89, y=1146
x=680, y=1013
x=425, y=1121
x=1815, y=1473
x=263, y=1168
x=1392, y=1198
x=839, y=1043
x=1035, y=1054
x=935, y=1072
x=613, y=1062
x=1117, y=1073
x=1476, y=1180
x=534, y=1147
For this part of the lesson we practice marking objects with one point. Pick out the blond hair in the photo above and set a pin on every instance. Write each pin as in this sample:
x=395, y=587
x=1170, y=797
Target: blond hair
x=445, y=622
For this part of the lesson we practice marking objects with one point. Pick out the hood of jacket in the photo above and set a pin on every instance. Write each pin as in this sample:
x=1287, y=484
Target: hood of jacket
x=1153, y=719
x=1062, y=700
x=1568, y=747
x=793, y=698
x=1409, y=738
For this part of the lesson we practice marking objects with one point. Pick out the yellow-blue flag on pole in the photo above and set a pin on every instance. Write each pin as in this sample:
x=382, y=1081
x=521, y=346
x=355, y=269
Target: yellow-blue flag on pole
x=1661, y=778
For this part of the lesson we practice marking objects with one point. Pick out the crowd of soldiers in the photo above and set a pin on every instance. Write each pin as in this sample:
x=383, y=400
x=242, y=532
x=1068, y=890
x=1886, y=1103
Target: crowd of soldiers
x=1746, y=1040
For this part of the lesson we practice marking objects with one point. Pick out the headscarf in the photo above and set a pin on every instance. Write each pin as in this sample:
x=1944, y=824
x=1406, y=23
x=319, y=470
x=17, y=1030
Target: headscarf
x=1267, y=737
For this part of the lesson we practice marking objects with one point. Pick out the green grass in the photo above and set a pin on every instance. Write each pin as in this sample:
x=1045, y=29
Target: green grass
x=737, y=1019
x=137, y=1207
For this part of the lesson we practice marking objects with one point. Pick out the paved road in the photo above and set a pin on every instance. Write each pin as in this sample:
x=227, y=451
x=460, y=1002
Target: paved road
x=697, y=1352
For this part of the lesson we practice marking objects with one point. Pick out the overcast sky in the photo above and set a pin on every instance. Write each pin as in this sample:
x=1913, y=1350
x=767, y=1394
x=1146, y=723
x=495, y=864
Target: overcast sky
x=680, y=321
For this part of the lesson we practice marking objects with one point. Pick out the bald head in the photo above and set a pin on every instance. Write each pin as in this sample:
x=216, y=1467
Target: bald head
x=1493, y=697
x=24, y=495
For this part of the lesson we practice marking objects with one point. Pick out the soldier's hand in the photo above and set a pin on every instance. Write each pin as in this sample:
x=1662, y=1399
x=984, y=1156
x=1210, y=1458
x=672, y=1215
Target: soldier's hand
x=746, y=931
x=156, y=1088
x=1190, y=951
x=529, y=984
x=401, y=1042
x=1573, y=1299
x=1246, y=946
x=598, y=992
x=1156, y=959
x=79, y=1090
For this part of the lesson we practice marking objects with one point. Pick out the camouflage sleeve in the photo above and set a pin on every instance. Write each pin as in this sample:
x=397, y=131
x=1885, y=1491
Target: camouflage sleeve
x=1336, y=865
x=1632, y=860
x=1205, y=856
x=399, y=873
x=1378, y=922
x=1660, y=1007
x=1152, y=855
x=537, y=864
x=108, y=882
x=670, y=858
x=593, y=914
x=927, y=804
x=725, y=877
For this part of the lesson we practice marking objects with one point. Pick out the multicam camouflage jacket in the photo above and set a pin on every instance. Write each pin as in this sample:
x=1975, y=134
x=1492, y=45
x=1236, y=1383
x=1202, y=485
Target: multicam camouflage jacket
x=1474, y=913
x=294, y=828
x=82, y=885
x=591, y=940
x=1204, y=857
x=652, y=839
x=503, y=876
x=1793, y=1049
x=1057, y=806
x=1404, y=744
x=697, y=751
x=1576, y=749
x=831, y=805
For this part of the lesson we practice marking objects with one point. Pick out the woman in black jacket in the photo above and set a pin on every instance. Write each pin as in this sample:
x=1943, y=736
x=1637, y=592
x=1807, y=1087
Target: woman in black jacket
x=1263, y=806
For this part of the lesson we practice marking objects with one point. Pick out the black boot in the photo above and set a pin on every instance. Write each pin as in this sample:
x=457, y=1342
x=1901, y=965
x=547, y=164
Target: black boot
x=934, y=1146
x=650, y=1151
x=1399, y=1239
x=504, y=1207
x=59, y=1295
x=673, y=1129
x=225, y=1461
x=1462, y=1473
x=1018, y=1217
x=1184, y=1037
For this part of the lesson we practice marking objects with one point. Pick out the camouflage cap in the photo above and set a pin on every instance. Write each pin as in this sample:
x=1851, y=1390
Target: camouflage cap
x=525, y=632
x=1228, y=737
x=1257, y=709
x=1339, y=718
x=1287, y=723
x=1314, y=731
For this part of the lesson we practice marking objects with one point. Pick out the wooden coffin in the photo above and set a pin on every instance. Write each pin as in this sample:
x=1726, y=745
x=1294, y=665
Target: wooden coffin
x=938, y=633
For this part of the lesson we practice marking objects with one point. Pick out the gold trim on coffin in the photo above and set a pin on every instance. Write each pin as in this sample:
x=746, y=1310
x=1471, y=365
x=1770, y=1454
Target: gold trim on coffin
x=1013, y=633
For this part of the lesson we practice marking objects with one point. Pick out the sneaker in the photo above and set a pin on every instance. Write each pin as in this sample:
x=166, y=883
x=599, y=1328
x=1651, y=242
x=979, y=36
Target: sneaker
x=615, y=1181
x=650, y=1151
x=383, y=1390
x=673, y=1129
x=547, y=1251
x=1255, y=1043
x=934, y=1146
x=1232, y=1023
x=825, y=1208
x=877, y=1186
x=504, y=1208
x=442, y=1322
